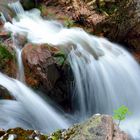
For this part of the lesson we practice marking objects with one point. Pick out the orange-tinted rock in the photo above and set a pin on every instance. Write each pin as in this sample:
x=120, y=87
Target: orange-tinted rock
x=40, y=65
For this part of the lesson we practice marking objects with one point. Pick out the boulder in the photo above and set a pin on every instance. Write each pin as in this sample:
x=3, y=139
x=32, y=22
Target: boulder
x=45, y=70
x=98, y=127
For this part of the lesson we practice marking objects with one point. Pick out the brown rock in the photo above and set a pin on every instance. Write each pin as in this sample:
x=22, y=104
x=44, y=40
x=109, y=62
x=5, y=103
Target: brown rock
x=124, y=25
x=133, y=38
x=38, y=60
x=119, y=135
x=43, y=72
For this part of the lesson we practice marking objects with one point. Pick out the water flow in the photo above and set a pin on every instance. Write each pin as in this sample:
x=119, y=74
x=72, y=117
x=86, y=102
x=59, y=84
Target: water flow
x=2, y=17
x=29, y=110
x=106, y=76
x=18, y=50
x=17, y=7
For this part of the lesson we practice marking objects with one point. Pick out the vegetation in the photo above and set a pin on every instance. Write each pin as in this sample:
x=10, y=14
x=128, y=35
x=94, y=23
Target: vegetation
x=121, y=113
x=60, y=58
x=4, y=53
x=68, y=23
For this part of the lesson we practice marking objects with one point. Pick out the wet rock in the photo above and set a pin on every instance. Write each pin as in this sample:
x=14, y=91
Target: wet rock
x=5, y=10
x=28, y=4
x=137, y=56
x=98, y=127
x=7, y=60
x=4, y=93
x=45, y=70
x=132, y=38
x=21, y=134
x=2, y=132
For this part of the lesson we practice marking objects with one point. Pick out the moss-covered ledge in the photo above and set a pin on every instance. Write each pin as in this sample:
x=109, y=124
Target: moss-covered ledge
x=7, y=61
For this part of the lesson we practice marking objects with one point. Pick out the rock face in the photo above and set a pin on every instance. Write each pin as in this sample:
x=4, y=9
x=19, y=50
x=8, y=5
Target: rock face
x=4, y=93
x=118, y=20
x=98, y=127
x=123, y=25
x=46, y=72
x=7, y=61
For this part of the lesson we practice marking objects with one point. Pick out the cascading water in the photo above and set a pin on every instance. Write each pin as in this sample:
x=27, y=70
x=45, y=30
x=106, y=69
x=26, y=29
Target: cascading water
x=29, y=110
x=17, y=7
x=18, y=50
x=106, y=76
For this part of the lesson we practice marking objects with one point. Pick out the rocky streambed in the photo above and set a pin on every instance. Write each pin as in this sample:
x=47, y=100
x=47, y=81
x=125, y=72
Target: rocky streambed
x=98, y=127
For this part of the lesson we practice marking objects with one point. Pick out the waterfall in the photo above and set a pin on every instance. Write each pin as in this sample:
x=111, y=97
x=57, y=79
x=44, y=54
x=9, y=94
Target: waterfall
x=17, y=7
x=29, y=110
x=2, y=17
x=18, y=50
x=106, y=75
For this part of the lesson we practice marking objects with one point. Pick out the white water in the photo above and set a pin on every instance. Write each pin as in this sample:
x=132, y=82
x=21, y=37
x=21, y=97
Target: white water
x=106, y=76
x=18, y=50
x=29, y=110
x=2, y=17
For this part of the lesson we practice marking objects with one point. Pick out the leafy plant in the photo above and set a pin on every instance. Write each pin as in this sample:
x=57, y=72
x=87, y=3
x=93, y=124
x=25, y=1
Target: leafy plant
x=121, y=113
x=60, y=57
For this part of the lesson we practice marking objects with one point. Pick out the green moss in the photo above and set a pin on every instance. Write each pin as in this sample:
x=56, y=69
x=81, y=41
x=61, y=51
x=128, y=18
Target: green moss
x=5, y=56
x=4, y=53
x=60, y=57
x=56, y=135
x=68, y=23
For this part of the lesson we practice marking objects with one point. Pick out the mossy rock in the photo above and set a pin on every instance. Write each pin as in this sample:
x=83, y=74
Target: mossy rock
x=7, y=61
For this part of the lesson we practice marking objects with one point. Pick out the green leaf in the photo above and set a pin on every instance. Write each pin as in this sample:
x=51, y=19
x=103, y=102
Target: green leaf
x=121, y=113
